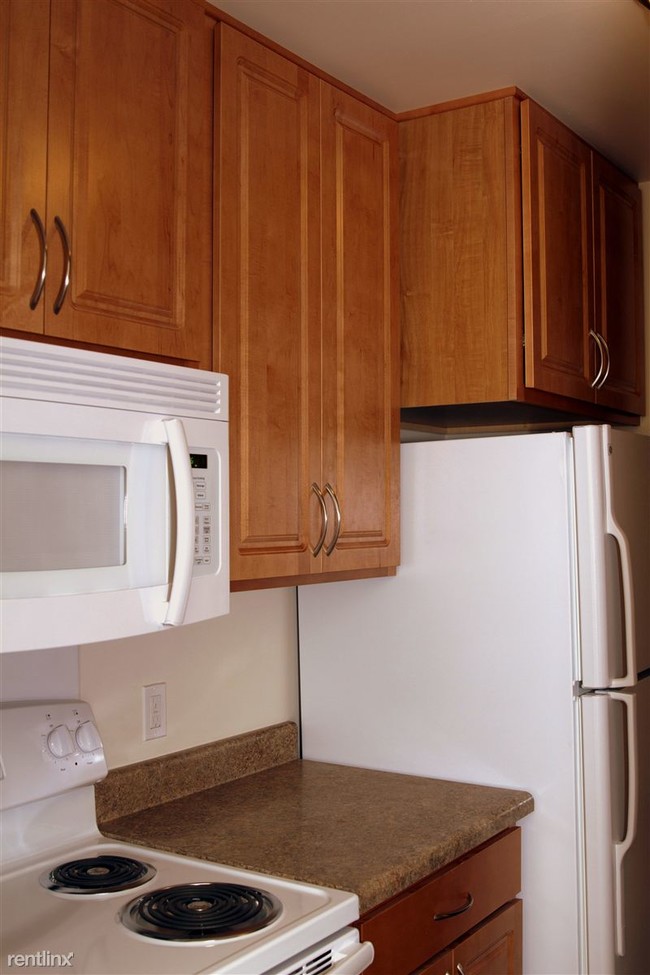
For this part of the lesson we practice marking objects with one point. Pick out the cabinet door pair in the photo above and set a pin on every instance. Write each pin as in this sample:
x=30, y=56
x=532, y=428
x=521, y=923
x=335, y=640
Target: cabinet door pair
x=583, y=281
x=106, y=191
x=307, y=318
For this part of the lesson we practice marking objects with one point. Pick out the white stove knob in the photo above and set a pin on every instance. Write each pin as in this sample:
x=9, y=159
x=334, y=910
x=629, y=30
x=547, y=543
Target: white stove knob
x=88, y=737
x=60, y=742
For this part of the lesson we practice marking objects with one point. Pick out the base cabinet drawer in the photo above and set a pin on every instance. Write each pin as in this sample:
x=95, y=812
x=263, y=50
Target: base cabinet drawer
x=412, y=928
x=493, y=948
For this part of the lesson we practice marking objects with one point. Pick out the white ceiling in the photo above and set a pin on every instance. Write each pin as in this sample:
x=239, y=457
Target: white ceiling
x=586, y=61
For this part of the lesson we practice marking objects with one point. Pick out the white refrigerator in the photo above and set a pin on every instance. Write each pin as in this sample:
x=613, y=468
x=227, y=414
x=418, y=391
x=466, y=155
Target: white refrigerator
x=513, y=649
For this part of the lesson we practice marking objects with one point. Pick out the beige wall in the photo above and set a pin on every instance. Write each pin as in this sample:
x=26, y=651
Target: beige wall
x=224, y=677
x=645, y=189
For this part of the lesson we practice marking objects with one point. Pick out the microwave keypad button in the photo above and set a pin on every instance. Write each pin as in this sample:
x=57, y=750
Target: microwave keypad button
x=203, y=522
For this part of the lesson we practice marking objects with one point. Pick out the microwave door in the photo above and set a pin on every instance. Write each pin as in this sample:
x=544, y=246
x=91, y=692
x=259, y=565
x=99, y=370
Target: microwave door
x=82, y=516
x=98, y=534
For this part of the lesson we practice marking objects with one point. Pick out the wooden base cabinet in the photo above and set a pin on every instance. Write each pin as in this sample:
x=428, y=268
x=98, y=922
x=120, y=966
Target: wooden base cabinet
x=105, y=236
x=307, y=320
x=493, y=948
x=463, y=919
x=521, y=264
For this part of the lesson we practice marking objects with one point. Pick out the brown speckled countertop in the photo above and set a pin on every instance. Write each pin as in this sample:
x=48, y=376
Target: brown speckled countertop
x=374, y=833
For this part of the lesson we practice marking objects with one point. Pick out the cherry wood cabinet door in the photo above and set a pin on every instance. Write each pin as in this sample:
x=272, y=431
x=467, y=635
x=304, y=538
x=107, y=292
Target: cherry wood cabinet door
x=360, y=339
x=494, y=948
x=268, y=282
x=124, y=190
x=619, y=285
x=129, y=175
x=558, y=256
x=24, y=56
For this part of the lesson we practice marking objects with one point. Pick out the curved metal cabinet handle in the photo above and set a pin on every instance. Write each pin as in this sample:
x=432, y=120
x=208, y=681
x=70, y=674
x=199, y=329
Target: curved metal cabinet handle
x=609, y=362
x=40, y=281
x=324, y=518
x=67, y=254
x=459, y=910
x=599, y=342
x=460, y=970
x=337, y=511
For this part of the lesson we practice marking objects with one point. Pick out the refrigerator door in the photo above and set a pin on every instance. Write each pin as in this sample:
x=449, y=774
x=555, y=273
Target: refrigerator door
x=613, y=524
x=461, y=666
x=616, y=776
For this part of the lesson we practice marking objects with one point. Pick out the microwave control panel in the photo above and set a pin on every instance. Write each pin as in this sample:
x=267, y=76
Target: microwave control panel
x=206, y=549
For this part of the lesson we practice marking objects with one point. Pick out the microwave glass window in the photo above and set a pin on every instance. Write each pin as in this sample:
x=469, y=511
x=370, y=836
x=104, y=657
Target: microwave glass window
x=61, y=516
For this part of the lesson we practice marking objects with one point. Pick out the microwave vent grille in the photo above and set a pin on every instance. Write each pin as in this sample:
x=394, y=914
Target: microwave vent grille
x=33, y=370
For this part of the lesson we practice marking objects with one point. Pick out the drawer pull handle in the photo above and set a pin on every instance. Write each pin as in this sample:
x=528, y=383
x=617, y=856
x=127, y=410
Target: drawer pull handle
x=459, y=910
x=460, y=969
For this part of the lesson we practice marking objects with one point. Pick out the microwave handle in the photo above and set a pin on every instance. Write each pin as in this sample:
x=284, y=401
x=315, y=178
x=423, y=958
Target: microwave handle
x=184, y=491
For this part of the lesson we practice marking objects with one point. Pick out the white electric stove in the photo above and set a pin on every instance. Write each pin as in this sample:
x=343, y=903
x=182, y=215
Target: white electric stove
x=72, y=900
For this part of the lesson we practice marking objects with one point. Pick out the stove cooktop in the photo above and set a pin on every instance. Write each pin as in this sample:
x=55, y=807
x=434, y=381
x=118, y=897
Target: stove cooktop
x=48, y=925
x=74, y=900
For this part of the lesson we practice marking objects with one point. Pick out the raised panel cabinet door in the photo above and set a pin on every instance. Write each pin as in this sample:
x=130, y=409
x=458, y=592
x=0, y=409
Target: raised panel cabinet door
x=360, y=331
x=558, y=256
x=494, y=948
x=24, y=60
x=269, y=306
x=129, y=176
x=619, y=285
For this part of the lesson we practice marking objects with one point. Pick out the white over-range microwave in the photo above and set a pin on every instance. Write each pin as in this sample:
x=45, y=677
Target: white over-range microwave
x=113, y=496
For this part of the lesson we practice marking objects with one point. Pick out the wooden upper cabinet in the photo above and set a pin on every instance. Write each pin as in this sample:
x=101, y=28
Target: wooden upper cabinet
x=360, y=339
x=304, y=280
x=520, y=266
x=24, y=55
x=127, y=210
x=558, y=256
x=268, y=285
x=619, y=286
x=460, y=250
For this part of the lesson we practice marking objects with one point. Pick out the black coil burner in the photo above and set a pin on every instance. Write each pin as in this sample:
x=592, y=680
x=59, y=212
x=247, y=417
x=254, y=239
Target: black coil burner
x=97, y=875
x=200, y=911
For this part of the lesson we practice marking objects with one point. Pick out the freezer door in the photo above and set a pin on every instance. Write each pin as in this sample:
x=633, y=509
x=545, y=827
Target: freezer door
x=612, y=474
x=616, y=781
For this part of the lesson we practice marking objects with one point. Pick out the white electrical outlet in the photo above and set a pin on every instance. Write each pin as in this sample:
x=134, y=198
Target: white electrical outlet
x=154, y=711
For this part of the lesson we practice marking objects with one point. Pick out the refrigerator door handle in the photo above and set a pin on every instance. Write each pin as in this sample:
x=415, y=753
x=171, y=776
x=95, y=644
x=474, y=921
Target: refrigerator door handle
x=621, y=848
x=613, y=528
